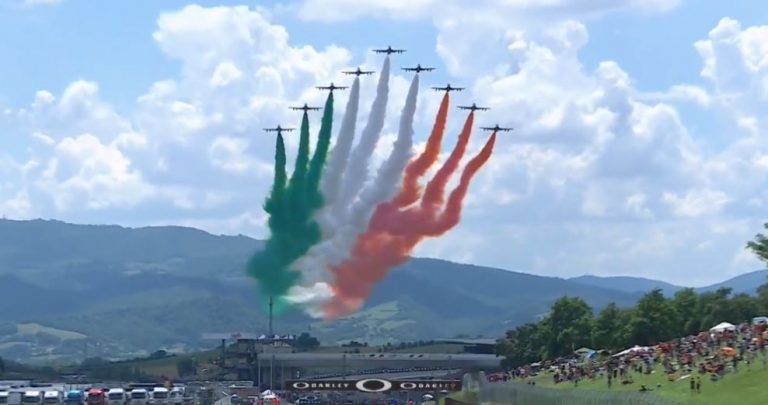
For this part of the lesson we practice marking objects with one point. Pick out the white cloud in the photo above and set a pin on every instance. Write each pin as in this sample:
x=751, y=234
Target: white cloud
x=341, y=10
x=696, y=203
x=597, y=176
x=86, y=172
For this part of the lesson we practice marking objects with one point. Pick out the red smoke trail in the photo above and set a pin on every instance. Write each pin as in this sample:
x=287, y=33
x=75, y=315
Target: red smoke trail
x=376, y=251
x=433, y=194
x=387, y=218
x=410, y=190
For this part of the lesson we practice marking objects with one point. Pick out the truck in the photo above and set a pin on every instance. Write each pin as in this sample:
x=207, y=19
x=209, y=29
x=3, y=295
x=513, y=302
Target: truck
x=139, y=396
x=74, y=397
x=159, y=396
x=95, y=396
x=32, y=398
x=53, y=398
x=177, y=396
x=116, y=396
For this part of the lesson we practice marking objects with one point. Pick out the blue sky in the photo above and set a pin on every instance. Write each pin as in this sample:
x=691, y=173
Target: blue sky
x=625, y=155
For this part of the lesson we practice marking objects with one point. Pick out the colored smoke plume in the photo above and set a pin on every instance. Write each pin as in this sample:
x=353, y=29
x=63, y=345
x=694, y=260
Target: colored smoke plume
x=378, y=250
x=292, y=229
x=410, y=190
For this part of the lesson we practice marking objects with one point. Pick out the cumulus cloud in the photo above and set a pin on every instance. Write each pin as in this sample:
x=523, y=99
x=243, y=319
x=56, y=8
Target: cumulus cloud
x=340, y=10
x=597, y=177
x=85, y=171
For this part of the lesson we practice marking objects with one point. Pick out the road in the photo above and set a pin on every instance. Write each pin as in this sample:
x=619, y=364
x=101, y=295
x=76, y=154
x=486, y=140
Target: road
x=384, y=360
x=394, y=376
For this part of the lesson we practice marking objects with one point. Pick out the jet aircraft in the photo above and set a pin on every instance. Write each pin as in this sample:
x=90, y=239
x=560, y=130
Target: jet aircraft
x=332, y=87
x=358, y=72
x=279, y=129
x=389, y=50
x=418, y=69
x=496, y=128
x=448, y=88
x=473, y=107
x=305, y=108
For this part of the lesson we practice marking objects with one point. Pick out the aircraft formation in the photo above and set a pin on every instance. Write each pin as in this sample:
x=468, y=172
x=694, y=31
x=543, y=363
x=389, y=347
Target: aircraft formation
x=417, y=69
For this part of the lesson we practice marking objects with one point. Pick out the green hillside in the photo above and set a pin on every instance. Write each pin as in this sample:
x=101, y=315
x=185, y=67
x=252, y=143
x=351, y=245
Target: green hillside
x=131, y=291
x=746, y=387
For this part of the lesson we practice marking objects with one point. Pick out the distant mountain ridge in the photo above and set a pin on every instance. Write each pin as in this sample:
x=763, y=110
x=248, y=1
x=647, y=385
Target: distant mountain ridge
x=744, y=283
x=627, y=283
x=135, y=290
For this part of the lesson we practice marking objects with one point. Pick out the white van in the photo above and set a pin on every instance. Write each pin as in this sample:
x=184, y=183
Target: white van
x=116, y=396
x=177, y=396
x=14, y=397
x=139, y=396
x=159, y=396
x=53, y=398
x=32, y=398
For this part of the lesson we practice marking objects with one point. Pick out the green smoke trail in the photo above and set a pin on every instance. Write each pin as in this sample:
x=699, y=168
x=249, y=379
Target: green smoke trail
x=297, y=184
x=291, y=209
x=274, y=206
x=314, y=197
x=269, y=265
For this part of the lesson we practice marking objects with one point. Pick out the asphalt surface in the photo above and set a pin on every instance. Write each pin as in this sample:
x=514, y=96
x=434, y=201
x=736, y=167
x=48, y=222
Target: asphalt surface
x=384, y=360
x=393, y=376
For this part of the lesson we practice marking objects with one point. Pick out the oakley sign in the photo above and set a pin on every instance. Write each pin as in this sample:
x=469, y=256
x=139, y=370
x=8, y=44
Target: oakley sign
x=374, y=385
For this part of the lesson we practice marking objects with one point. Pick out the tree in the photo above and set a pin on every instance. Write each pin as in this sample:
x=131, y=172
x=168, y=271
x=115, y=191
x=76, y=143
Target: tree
x=605, y=327
x=158, y=354
x=186, y=367
x=714, y=308
x=684, y=303
x=654, y=320
x=759, y=246
x=567, y=327
x=521, y=345
x=93, y=363
x=762, y=299
x=305, y=342
x=742, y=308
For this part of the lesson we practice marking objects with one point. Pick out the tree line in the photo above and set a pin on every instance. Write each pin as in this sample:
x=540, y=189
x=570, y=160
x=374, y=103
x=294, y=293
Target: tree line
x=571, y=323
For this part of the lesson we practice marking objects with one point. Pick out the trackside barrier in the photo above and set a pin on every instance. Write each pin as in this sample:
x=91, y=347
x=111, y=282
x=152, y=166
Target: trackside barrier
x=523, y=394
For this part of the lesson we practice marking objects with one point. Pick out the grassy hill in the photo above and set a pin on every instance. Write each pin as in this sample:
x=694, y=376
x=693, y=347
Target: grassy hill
x=746, y=387
x=131, y=291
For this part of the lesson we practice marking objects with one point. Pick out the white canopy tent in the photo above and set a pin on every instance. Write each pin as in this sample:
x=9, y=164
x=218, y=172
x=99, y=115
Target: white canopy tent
x=632, y=350
x=268, y=394
x=722, y=326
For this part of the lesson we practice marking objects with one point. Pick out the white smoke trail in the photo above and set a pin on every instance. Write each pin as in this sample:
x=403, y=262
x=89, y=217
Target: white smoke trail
x=337, y=162
x=355, y=177
x=330, y=184
x=315, y=289
x=339, y=192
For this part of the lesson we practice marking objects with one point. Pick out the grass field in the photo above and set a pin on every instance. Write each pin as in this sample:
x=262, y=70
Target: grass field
x=166, y=366
x=435, y=348
x=747, y=387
